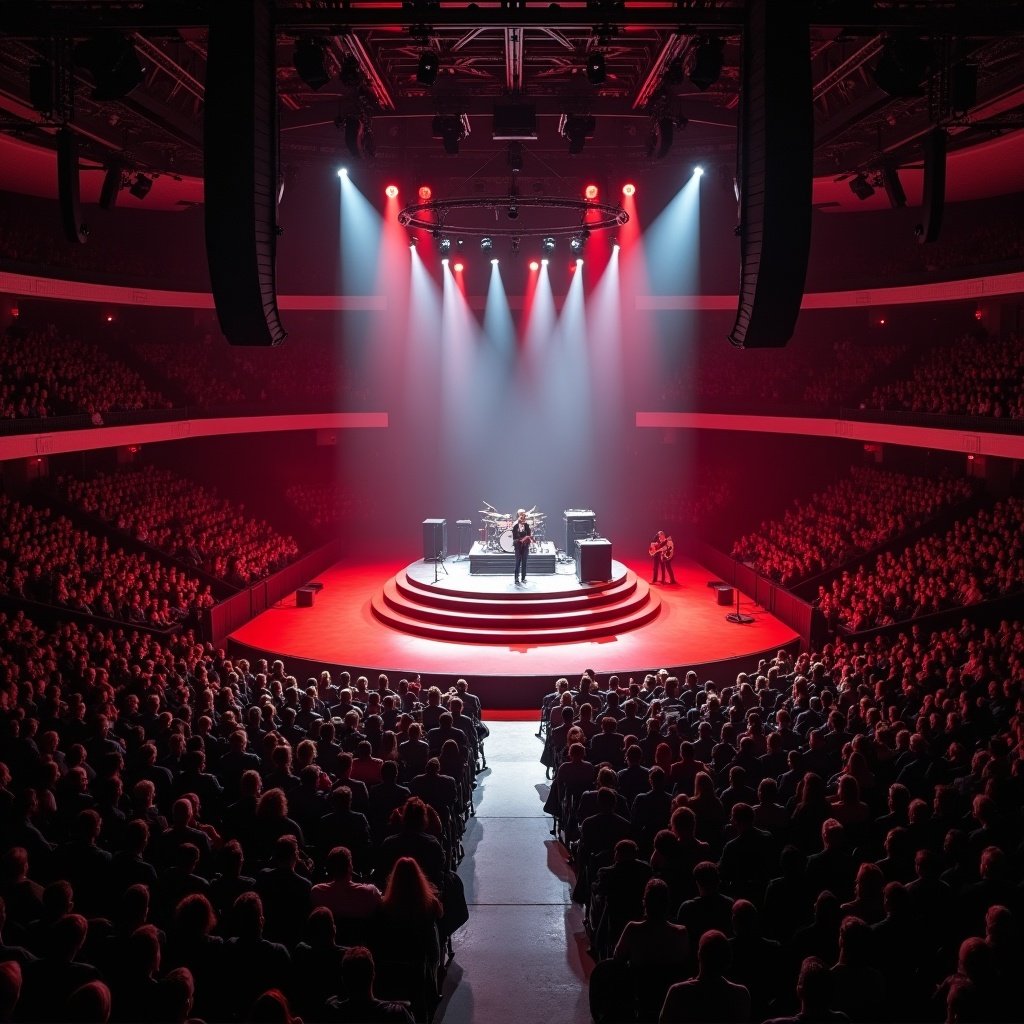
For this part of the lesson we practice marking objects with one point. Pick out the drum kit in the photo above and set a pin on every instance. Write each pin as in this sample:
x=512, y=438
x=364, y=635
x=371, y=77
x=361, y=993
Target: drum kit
x=496, y=528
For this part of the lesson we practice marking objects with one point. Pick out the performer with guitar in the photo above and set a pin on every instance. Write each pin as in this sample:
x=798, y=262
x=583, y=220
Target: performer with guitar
x=661, y=550
x=521, y=538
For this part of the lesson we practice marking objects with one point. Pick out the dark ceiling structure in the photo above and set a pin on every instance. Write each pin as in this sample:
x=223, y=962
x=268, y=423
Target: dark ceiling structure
x=639, y=82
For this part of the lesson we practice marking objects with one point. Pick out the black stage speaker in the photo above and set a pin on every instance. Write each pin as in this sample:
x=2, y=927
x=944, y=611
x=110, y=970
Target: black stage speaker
x=579, y=522
x=305, y=596
x=435, y=540
x=240, y=170
x=593, y=560
x=933, y=199
x=67, y=187
x=775, y=171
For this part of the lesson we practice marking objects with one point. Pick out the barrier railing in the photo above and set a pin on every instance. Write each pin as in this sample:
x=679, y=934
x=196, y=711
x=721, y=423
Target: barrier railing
x=224, y=618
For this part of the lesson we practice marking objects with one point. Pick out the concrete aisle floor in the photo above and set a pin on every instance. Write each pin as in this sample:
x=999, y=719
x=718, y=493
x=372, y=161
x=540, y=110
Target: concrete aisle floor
x=522, y=956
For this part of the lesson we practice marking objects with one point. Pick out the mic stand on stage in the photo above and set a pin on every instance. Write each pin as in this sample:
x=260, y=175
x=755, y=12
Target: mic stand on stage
x=737, y=616
x=439, y=561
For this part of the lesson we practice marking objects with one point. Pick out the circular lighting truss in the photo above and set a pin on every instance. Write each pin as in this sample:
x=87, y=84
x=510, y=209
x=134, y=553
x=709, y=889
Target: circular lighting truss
x=568, y=216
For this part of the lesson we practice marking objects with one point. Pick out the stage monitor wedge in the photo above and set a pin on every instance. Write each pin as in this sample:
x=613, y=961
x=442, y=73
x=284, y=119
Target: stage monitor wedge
x=240, y=149
x=775, y=172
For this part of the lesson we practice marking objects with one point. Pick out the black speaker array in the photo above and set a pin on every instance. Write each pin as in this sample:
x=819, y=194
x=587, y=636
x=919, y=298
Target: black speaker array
x=240, y=170
x=67, y=186
x=933, y=199
x=775, y=172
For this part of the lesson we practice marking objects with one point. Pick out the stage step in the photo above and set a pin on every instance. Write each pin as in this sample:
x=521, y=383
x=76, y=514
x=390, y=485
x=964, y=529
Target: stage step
x=515, y=619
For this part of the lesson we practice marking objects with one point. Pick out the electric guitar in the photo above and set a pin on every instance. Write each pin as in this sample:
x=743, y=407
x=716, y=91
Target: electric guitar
x=666, y=549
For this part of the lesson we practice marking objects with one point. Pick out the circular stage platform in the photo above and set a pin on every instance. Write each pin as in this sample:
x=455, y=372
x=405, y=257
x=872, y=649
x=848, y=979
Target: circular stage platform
x=687, y=628
x=449, y=602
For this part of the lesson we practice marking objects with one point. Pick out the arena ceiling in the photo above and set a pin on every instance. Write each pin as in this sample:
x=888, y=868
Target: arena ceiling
x=665, y=69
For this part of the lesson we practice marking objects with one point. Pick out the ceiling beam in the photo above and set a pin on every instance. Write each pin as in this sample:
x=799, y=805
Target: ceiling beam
x=980, y=18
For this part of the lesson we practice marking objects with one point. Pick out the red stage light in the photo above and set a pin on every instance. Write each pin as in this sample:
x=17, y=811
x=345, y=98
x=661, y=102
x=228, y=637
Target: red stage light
x=391, y=191
x=979, y=314
x=459, y=268
x=534, y=265
x=109, y=318
x=590, y=191
x=881, y=321
x=629, y=189
x=425, y=193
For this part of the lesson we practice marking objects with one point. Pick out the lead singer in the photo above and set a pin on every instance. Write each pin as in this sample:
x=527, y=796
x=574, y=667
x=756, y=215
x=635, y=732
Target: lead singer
x=521, y=538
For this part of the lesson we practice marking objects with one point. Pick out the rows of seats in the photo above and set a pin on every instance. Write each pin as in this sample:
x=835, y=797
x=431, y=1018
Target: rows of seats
x=43, y=373
x=44, y=557
x=182, y=833
x=838, y=837
x=975, y=376
x=854, y=515
x=187, y=521
x=978, y=558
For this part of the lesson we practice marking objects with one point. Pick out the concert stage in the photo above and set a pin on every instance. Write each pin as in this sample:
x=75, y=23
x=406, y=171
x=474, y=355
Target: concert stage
x=511, y=641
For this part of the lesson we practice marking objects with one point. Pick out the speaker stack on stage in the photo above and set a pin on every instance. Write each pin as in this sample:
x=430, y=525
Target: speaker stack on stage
x=579, y=523
x=593, y=560
x=435, y=540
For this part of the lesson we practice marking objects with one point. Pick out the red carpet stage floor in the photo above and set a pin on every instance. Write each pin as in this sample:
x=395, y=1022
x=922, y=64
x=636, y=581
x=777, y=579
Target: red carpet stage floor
x=341, y=630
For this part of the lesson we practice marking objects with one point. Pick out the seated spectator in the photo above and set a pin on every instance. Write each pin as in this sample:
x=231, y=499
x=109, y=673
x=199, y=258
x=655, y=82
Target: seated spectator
x=360, y=1004
x=710, y=996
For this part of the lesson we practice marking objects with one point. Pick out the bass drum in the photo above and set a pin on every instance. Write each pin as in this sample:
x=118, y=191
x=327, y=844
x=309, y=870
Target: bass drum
x=506, y=542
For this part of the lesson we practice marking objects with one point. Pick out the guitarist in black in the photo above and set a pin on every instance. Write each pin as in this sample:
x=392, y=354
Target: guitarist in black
x=661, y=550
x=521, y=539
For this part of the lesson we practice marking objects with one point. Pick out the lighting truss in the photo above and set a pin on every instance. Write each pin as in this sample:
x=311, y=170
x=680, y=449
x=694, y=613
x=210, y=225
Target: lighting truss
x=454, y=216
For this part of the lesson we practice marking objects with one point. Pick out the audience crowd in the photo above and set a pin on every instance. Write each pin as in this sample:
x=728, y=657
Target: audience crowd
x=184, y=520
x=188, y=838
x=854, y=515
x=977, y=559
x=972, y=377
x=44, y=557
x=836, y=836
x=44, y=374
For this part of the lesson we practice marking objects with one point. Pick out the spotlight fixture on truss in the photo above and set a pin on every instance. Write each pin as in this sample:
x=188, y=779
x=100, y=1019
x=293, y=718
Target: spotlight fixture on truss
x=140, y=186
x=358, y=135
x=548, y=243
x=486, y=243
x=662, y=134
x=861, y=187
x=579, y=240
x=445, y=244
x=706, y=62
x=310, y=61
x=428, y=68
x=576, y=129
x=451, y=129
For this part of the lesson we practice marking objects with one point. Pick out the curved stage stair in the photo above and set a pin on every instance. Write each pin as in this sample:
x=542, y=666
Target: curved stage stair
x=485, y=610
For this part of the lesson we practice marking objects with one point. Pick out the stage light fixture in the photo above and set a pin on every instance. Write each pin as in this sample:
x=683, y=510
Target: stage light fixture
x=309, y=61
x=140, y=186
x=358, y=136
x=861, y=187
x=663, y=131
x=576, y=243
x=494, y=262
x=428, y=68
x=486, y=243
x=451, y=129
x=515, y=245
x=513, y=210
x=544, y=263
x=706, y=67
x=459, y=267
x=342, y=172
x=576, y=129
x=548, y=244
x=445, y=244
x=590, y=192
x=391, y=191
x=113, y=63
x=444, y=262
x=629, y=189
x=425, y=193
x=534, y=265
x=596, y=72
x=579, y=262
x=698, y=171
